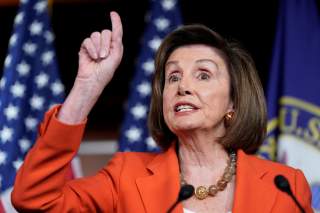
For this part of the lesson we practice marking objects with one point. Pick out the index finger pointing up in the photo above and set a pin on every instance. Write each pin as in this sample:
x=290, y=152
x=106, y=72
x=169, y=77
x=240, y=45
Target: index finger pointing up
x=116, y=27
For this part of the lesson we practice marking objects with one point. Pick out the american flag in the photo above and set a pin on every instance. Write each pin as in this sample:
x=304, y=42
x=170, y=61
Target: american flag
x=163, y=17
x=29, y=86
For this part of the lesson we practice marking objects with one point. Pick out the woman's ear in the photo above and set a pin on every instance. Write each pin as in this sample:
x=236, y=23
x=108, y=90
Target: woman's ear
x=230, y=107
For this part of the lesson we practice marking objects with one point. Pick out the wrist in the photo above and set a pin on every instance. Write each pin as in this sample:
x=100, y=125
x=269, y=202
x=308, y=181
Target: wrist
x=78, y=103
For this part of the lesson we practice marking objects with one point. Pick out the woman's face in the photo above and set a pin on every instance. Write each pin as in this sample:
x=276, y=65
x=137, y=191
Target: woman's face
x=196, y=93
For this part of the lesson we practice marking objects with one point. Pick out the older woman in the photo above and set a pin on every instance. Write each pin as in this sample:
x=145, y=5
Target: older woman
x=207, y=113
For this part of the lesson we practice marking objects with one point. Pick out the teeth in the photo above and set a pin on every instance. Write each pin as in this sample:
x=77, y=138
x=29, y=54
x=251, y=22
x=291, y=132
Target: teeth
x=182, y=108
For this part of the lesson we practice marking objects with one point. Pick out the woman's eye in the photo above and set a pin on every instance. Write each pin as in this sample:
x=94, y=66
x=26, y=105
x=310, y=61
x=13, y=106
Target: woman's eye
x=173, y=78
x=204, y=76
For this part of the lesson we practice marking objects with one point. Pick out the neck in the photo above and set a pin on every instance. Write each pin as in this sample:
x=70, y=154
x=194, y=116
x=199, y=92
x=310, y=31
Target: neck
x=205, y=164
x=201, y=150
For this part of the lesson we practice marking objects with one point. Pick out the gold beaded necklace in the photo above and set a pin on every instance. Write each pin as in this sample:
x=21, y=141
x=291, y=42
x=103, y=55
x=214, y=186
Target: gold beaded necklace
x=203, y=192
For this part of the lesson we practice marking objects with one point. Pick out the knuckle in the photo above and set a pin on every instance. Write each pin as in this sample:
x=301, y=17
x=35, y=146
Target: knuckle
x=106, y=32
x=95, y=35
x=86, y=42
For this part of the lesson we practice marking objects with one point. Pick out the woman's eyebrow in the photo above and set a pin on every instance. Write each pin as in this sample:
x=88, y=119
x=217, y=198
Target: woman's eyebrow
x=206, y=60
x=171, y=63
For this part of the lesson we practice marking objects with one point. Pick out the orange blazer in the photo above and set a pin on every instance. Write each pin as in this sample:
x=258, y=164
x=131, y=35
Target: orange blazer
x=136, y=182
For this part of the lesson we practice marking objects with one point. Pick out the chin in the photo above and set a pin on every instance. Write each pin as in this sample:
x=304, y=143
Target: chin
x=186, y=126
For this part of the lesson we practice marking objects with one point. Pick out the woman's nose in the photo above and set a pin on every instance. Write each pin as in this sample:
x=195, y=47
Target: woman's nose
x=184, y=88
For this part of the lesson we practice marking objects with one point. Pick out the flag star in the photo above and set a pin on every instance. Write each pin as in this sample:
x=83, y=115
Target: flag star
x=161, y=23
x=24, y=1
x=57, y=88
x=17, y=163
x=3, y=158
x=23, y=68
x=7, y=61
x=31, y=123
x=168, y=4
x=6, y=134
x=13, y=40
x=2, y=82
x=40, y=6
x=47, y=57
x=148, y=66
x=139, y=111
x=154, y=43
x=18, y=19
x=36, y=28
x=49, y=36
x=24, y=144
x=11, y=112
x=151, y=143
x=29, y=48
x=133, y=134
x=41, y=80
x=144, y=88
x=36, y=102
x=17, y=89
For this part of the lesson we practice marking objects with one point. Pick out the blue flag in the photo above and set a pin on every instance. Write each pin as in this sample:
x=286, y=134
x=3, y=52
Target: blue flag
x=294, y=92
x=164, y=17
x=29, y=86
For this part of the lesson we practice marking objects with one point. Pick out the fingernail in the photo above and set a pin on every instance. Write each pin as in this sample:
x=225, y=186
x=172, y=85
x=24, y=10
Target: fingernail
x=103, y=53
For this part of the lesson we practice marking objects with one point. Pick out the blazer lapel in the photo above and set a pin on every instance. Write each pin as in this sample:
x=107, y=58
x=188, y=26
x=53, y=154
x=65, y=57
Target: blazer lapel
x=160, y=190
x=252, y=193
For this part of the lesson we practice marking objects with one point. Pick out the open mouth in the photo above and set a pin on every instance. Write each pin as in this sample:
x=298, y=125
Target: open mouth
x=184, y=107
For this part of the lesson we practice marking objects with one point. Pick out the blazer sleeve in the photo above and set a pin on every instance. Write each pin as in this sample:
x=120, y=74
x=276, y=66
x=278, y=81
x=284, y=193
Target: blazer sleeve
x=303, y=192
x=41, y=184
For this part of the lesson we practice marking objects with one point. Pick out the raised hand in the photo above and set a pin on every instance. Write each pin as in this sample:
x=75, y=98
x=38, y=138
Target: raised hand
x=99, y=57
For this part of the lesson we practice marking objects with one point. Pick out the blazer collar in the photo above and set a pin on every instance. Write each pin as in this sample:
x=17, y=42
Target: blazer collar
x=160, y=190
x=252, y=193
